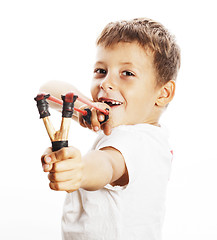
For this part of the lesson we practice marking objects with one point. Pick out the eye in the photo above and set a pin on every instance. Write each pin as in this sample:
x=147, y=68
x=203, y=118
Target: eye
x=128, y=74
x=99, y=71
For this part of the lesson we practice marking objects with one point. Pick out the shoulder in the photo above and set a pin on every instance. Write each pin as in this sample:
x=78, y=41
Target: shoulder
x=133, y=133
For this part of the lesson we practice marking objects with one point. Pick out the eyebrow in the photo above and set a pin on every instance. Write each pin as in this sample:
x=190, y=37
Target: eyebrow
x=99, y=62
x=126, y=63
x=122, y=63
x=129, y=64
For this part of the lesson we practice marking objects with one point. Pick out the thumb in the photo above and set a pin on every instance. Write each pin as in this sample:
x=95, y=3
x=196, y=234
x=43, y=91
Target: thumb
x=107, y=128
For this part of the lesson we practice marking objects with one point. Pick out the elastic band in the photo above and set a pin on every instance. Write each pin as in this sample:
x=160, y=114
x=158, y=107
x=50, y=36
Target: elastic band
x=106, y=117
x=87, y=117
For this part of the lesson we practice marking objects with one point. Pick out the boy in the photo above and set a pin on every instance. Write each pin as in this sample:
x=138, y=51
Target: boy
x=117, y=190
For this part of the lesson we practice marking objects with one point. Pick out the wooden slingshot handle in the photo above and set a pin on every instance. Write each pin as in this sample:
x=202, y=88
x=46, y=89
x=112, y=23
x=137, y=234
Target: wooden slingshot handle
x=58, y=138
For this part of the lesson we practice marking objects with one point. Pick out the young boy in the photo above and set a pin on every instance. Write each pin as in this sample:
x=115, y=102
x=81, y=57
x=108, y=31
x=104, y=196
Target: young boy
x=117, y=190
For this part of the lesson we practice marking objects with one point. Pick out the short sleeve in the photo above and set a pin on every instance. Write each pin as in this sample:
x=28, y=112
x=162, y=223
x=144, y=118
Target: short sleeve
x=145, y=151
x=126, y=143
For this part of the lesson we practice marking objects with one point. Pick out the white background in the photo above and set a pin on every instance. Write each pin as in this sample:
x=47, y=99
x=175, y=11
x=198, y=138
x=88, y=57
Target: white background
x=54, y=40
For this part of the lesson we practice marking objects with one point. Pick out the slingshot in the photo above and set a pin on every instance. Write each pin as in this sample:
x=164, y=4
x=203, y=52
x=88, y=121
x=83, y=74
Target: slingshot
x=59, y=138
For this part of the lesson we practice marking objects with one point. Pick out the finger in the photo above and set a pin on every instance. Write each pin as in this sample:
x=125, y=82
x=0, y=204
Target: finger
x=101, y=117
x=86, y=124
x=67, y=165
x=47, y=167
x=70, y=186
x=94, y=121
x=47, y=151
x=81, y=120
x=107, y=128
x=62, y=154
x=64, y=176
x=45, y=164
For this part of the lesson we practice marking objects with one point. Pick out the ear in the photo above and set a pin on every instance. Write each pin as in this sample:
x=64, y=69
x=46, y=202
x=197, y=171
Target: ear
x=166, y=94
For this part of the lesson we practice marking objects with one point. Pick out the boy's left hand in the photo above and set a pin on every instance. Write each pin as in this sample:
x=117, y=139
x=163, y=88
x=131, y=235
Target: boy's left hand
x=65, y=169
x=97, y=118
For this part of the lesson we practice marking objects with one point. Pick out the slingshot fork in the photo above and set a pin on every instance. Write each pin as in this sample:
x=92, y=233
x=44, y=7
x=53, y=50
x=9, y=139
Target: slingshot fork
x=58, y=138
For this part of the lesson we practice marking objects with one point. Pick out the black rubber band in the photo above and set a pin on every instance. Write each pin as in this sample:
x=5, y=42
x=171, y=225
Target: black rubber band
x=87, y=118
x=43, y=105
x=57, y=145
x=68, y=107
x=106, y=117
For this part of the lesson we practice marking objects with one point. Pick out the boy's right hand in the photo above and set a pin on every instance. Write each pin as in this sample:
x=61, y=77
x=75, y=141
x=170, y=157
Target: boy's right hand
x=65, y=168
x=96, y=119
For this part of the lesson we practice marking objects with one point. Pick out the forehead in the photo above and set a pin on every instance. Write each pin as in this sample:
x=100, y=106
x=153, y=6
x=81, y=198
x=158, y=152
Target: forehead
x=125, y=52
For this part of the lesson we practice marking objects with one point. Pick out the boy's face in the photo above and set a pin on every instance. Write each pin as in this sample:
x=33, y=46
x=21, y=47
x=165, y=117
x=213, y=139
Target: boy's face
x=124, y=78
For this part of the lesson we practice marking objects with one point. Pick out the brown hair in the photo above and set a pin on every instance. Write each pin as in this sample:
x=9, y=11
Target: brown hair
x=147, y=33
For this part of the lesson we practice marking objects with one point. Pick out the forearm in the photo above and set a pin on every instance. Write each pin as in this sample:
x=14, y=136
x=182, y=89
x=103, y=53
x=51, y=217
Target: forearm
x=97, y=171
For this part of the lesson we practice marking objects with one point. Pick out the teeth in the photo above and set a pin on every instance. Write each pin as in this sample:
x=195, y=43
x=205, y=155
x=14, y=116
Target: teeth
x=113, y=102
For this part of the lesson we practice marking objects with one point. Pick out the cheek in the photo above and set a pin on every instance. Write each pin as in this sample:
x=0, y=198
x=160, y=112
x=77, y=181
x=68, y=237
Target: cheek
x=141, y=101
x=94, y=90
x=134, y=96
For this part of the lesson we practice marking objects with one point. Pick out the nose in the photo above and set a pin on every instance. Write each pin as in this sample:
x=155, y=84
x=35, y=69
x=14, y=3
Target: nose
x=107, y=83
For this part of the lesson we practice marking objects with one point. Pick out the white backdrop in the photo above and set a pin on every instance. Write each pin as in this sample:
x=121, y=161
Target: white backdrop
x=54, y=40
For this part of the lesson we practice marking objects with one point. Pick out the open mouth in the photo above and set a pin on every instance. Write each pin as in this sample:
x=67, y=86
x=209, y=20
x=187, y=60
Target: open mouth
x=111, y=102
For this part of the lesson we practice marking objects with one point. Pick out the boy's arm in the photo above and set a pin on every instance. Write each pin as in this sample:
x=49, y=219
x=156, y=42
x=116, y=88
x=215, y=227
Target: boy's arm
x=58, y=88
x=102, y=167
x=69, y=171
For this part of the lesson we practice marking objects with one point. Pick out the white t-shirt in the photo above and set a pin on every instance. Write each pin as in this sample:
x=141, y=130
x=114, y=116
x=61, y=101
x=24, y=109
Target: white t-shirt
x=132, y=212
